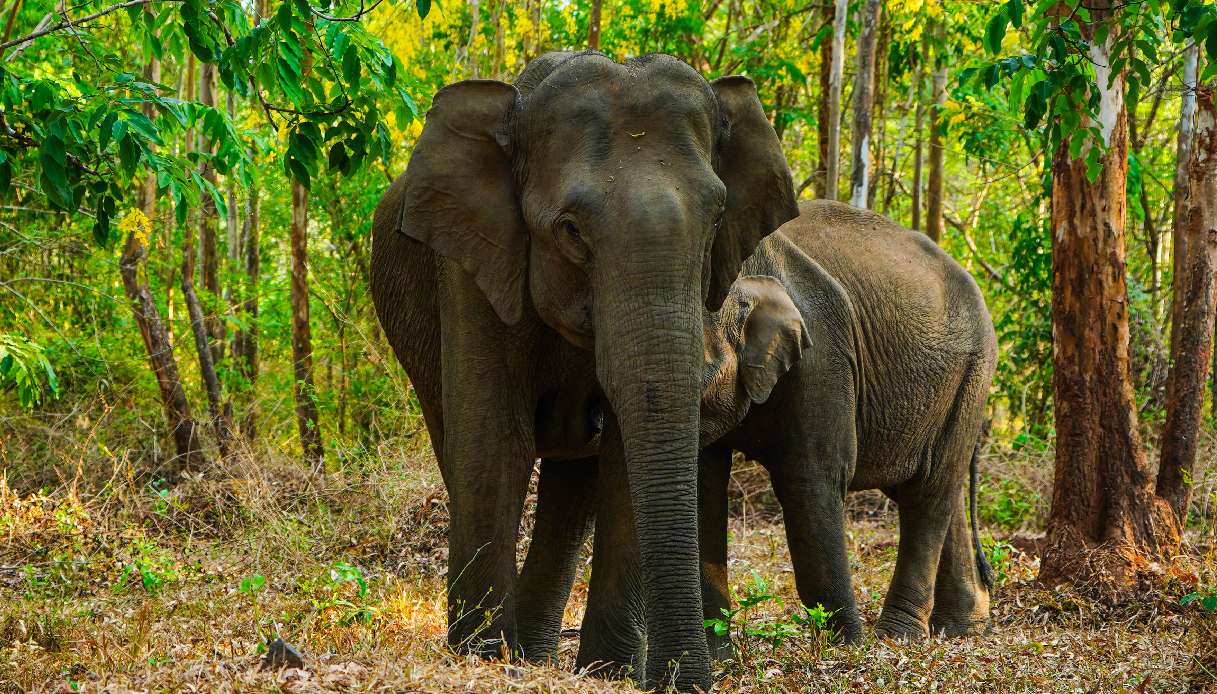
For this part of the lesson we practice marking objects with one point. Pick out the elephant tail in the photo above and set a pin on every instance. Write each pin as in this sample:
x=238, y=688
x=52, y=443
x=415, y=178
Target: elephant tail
x=982, y=562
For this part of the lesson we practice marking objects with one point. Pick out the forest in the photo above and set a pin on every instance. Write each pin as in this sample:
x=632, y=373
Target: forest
x=215, y=474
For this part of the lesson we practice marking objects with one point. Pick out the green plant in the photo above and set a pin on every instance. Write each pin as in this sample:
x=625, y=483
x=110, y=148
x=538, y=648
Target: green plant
x=1008, y=504
x=339, y=578
x=25, y=370
x=773, y=632
x=153, y=565
x=1205, y=595
x=1001, y=559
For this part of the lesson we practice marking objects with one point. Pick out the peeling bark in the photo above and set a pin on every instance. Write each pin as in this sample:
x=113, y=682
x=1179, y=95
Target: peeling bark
x=1105, y=524
x=1192, y=335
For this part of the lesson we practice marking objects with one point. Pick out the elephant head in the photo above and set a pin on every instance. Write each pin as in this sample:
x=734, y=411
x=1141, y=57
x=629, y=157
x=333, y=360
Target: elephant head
x=755, y=338
x=615, y=200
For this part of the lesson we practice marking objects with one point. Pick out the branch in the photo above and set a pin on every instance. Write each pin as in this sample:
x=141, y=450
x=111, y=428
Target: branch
x=353, y=18
x=66, y=24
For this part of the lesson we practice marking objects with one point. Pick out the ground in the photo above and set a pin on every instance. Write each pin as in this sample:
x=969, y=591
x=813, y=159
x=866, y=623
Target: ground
x=113, y=583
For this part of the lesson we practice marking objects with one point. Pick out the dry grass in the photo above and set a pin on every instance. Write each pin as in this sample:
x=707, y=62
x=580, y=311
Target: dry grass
x=111, y=584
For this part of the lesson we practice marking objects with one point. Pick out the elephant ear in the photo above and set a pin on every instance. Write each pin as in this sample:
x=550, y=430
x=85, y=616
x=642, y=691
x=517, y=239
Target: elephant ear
x=760, y=193
x=774, y=336
x=460, y=194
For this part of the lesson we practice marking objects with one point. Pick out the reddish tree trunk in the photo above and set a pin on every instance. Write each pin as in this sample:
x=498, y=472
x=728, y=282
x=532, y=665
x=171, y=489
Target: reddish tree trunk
x=1192, y=336
x=1105, y=522
x=302, y=340
x=821, y=173
x=593, y=27
x=934, y=188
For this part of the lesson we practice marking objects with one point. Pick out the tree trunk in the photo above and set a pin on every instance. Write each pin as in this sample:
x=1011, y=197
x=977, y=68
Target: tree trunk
x=302, y=340
x=593, y=27
x=157, y=342
x=833, y=156
x=934, y=191
x=864, y=97
x=1192, y=335
x=198, y=327
x=471, y=50
x=822, y=136
x=208, y=222
x=245, y=346
x=1105, y=522
x=1183, y=158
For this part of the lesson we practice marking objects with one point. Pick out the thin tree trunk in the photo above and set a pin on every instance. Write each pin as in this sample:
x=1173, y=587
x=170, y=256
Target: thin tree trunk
x=160, y=356
x=593, y=27
x=837, y=71
x=208, y=219
x=864, y=97
x=198, y=327
x=1105, y=520
x=1192, y=341
x=1183, y=157
x=879, y=104
x=934, y=192
x=471, y=51
x=822, y=109
x=302, y=341
x=246, y=344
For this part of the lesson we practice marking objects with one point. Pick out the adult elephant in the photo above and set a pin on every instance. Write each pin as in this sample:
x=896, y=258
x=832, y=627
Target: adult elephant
x=565, y=232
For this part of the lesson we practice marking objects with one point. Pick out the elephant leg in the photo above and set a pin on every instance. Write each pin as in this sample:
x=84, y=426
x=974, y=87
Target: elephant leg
x=713, y=476
x=813, y=508
x=961, y=599
x=566, y=495
x=488, y=457
x=925, y=516
x=612, y=638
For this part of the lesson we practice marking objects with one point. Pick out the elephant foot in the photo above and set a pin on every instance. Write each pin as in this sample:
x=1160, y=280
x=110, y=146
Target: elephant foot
x=848, y=629
x=897, y=623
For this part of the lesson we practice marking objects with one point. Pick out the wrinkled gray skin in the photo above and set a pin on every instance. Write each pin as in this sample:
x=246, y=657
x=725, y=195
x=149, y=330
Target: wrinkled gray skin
x=865, y=368
x=565, y=234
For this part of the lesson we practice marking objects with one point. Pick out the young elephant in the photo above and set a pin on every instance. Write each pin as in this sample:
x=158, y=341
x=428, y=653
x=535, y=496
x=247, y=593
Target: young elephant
x=851, y=354
x=865, y=368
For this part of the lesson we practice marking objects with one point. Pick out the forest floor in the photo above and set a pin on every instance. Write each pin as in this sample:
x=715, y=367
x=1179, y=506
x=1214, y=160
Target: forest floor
x=131, y=587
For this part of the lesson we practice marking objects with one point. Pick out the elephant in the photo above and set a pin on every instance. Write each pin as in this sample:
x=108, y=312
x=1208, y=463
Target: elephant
x=565, y=233
x=851, y=354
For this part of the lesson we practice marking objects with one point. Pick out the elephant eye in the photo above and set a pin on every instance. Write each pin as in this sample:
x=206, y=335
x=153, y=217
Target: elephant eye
x=718, y=218
x=571, y=241
x=568, y=227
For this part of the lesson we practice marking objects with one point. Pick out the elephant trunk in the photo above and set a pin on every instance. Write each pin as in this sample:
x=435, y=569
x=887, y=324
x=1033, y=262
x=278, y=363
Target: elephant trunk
x=649, y=355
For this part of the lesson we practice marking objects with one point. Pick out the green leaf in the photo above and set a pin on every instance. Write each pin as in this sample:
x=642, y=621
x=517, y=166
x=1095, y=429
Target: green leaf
x=55, y=184
x=1014, y=10
x=424, y=8
x=995, y=32
x=350, y=68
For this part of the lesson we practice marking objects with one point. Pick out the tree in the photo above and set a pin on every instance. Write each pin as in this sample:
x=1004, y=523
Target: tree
x=302, y=339
x=938, y=95
x=1192, y=334
x=836, y=72
x=864, y=97
x=1104, y=518
x=593, y=27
